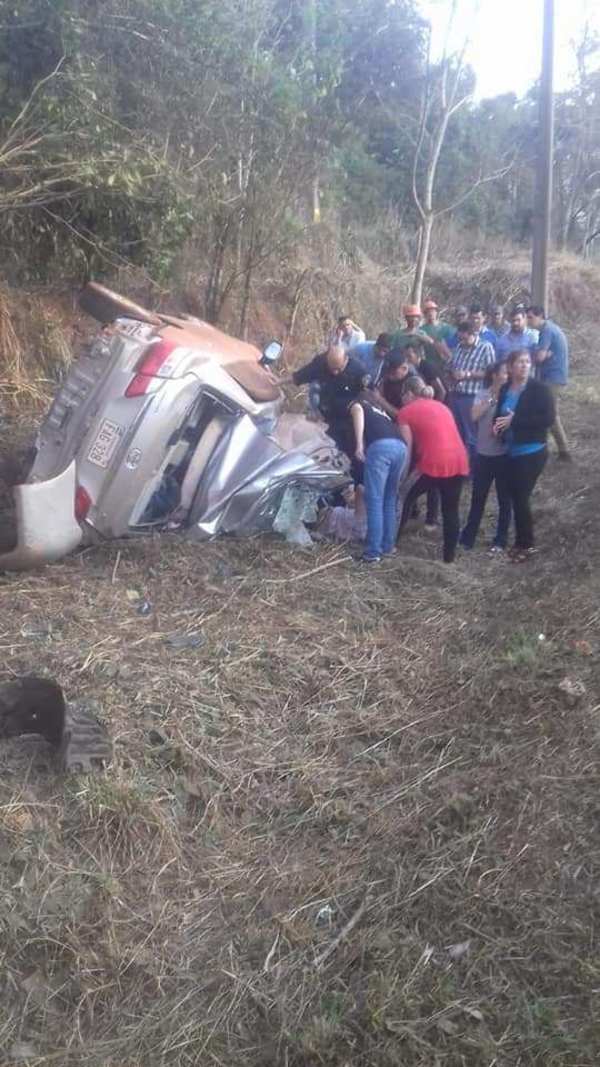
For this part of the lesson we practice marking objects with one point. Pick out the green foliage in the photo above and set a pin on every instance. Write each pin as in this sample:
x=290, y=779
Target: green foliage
x=131, y=130
x=524, y=650
x=168, y=122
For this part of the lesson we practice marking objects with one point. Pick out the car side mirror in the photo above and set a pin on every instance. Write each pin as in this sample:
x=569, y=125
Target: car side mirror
x=271, y=353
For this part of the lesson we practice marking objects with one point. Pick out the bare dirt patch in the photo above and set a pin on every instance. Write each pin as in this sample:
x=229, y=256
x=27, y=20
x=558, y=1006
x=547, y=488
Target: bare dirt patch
x=353, y=817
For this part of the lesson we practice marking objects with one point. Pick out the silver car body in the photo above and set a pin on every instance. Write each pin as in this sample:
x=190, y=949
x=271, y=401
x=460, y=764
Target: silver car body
x=154, y=420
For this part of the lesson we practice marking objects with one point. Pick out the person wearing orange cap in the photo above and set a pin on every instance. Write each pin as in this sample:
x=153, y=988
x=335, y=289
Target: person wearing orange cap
x=412, y=333
x=441, y=333
x=438, y=331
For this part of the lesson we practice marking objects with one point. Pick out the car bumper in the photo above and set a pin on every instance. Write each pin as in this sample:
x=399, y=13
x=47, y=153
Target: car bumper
x=47, y=528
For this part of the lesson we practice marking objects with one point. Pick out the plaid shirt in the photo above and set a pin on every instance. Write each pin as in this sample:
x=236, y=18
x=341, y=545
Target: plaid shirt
x=477, y=358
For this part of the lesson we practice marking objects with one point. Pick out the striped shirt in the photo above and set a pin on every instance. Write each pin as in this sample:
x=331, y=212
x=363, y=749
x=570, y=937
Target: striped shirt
x=464, y=359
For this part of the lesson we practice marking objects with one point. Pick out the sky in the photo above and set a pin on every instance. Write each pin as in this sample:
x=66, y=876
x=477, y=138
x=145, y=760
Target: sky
x=506, y=39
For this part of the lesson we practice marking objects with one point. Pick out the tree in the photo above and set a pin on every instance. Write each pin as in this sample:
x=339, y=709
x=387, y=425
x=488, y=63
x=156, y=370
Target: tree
x=577, y=155
x=446, y=90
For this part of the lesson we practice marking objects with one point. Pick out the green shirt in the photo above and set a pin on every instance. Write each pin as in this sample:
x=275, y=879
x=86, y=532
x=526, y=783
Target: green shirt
x=439, y=331
x=403, y=338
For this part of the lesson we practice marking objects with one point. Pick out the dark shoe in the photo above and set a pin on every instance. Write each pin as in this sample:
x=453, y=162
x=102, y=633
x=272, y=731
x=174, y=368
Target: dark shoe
x=370, y=559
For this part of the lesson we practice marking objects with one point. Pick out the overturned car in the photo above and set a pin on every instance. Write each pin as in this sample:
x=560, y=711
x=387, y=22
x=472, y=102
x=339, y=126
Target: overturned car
x=166, y=423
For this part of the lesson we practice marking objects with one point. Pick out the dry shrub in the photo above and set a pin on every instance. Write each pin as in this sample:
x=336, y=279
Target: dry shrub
x=573, y=289
x=12, y=377
x=35, y=350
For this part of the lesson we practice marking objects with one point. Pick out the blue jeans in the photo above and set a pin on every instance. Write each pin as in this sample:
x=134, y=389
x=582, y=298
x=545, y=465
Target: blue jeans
x=460, y=406
x=385, y=461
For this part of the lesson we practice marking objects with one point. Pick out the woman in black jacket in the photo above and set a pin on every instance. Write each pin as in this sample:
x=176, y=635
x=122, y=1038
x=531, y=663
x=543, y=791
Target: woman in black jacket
x=524, y=414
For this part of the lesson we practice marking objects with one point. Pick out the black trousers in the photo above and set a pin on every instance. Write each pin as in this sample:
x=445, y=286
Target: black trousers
x=433, y=508
x=449, y=490
x=486, y=471
x=522, y=472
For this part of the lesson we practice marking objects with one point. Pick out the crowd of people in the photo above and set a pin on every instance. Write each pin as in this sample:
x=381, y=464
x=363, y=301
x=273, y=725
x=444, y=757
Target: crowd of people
x=434, y=406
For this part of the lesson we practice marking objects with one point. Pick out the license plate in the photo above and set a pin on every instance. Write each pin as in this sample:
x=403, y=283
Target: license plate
x=105, y=444
x=134, y=329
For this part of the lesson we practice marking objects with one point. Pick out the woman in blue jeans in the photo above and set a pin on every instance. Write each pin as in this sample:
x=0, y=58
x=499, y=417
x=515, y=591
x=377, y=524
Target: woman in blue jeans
x=385, y=455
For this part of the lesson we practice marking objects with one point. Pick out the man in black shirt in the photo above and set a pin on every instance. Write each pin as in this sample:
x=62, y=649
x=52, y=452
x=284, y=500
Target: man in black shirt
x=341, y=378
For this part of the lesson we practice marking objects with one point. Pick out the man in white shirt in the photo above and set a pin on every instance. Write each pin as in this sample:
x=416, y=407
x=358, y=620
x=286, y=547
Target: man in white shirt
x=347, y=334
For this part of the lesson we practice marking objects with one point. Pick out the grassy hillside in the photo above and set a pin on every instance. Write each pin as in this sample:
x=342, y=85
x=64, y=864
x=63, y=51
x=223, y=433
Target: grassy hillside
x=357, y=826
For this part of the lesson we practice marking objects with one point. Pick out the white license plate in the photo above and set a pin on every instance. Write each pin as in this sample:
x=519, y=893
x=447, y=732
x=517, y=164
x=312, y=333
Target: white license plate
x=105, y=444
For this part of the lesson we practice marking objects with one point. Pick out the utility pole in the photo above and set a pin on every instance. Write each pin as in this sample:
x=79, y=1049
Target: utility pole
x=315, y=184
x=543, y=194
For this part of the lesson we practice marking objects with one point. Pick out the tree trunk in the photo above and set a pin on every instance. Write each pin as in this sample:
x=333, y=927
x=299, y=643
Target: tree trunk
x=250, y=260
x=246, y=301
x=300, y=283
x=422, y=258
x=312, y=45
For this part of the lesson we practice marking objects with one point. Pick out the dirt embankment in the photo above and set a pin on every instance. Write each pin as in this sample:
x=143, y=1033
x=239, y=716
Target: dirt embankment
x=353, y=822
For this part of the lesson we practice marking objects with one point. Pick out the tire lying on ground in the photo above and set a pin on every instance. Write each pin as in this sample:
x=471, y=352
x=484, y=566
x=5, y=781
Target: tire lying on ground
x=33, y=705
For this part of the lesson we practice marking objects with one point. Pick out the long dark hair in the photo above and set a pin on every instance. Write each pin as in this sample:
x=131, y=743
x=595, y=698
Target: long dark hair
x=512, y=357
x=491, y=372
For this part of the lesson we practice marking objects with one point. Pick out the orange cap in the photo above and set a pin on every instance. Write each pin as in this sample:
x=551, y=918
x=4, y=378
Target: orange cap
x=411, y=309
x=430, y=304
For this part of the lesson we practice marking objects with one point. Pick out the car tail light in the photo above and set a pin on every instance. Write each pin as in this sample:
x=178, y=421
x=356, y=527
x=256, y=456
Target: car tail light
x=83, y=503
x=150, y=366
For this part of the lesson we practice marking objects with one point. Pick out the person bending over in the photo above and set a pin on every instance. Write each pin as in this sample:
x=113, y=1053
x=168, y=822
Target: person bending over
x=401, y=367
x=380, y=446
x=388, y=396
x=373, y=356
x=490, y=464
x=524, y=414
x=430, y=371
x=441, y=457
x=340, y=379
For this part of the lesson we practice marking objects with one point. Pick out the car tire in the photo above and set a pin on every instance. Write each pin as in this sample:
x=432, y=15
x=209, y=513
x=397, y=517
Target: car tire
x=105, y=306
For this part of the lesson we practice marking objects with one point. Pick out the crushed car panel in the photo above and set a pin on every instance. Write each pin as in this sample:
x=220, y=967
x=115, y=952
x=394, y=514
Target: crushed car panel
x=169, y=423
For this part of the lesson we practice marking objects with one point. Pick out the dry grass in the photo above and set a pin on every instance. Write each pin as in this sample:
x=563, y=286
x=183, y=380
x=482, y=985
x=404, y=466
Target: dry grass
x=358, y=825
x=35, y=350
